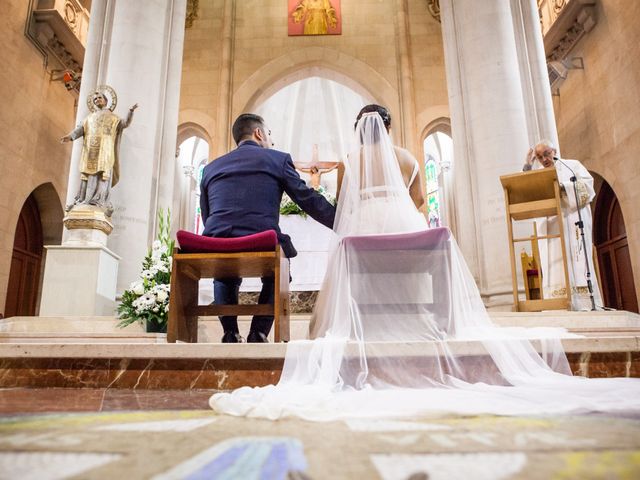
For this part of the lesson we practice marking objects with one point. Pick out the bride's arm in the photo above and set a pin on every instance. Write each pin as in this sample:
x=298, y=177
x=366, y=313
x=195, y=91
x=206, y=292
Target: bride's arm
x=417, y=192
x=340, y=177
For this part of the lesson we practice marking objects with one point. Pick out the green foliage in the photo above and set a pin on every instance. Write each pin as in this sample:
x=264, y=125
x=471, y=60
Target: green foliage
x=289, y=207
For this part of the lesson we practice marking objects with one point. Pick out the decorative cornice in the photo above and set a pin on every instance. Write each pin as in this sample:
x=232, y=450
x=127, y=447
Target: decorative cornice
x=574, y=19
x=192, y=13
x=434, y=9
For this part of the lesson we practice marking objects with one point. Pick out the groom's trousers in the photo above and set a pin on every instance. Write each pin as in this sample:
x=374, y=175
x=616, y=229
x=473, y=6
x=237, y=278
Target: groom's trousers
x=225, y=292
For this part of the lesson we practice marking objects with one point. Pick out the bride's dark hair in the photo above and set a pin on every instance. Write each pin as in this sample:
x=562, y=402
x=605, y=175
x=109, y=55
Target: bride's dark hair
x=383, y=112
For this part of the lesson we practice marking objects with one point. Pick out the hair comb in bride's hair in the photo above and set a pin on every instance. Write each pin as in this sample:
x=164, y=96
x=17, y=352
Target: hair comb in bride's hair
x=373, y=108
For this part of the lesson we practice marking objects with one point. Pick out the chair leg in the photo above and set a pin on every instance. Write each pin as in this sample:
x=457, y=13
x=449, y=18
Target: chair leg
x=183, y=325
x=281, y=300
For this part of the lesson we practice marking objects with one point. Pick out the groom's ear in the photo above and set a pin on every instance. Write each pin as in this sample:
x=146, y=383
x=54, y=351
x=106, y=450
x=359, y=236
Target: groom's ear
x=258, y=133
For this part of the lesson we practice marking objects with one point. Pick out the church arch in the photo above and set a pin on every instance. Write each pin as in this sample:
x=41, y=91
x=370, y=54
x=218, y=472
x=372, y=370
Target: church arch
x=612, y=248
x=39, y=224
x=194, y=147
x=436, y=147
x=192, y=129
x=314, y=61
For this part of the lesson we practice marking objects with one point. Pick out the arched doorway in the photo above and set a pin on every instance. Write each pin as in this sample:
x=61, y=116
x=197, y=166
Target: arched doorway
x=26, y=260
x=193, y=155
x=612, y=247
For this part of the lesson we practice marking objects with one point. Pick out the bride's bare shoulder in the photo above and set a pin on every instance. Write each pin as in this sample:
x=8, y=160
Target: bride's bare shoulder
x=404, y=156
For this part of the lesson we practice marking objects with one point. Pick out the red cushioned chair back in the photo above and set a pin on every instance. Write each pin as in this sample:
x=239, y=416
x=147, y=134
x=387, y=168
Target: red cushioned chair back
x=258, y=242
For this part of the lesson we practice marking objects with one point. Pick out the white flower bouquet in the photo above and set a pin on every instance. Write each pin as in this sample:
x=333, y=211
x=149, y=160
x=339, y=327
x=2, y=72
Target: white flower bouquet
x=147, y=299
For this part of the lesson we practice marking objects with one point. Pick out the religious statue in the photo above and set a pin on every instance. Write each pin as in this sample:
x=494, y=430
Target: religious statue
x=317, y=15
x=99, y=166
x=316, y=171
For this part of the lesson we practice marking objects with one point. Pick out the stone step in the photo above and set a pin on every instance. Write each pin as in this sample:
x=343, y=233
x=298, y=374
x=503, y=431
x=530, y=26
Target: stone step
x=77, y=352
x=105, y=330
x=227, y=366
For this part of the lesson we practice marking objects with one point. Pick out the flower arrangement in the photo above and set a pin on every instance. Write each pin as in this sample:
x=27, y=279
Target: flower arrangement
x=147, y=299
x=289, y=207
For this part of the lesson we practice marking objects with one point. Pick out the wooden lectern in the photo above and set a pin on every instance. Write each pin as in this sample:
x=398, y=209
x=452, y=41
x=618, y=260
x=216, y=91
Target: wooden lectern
x=529, y=195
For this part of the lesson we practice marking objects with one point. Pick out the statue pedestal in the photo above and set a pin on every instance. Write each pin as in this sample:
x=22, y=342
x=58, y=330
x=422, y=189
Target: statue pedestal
x=86, y=225
x=80, y=275
x=79, y=280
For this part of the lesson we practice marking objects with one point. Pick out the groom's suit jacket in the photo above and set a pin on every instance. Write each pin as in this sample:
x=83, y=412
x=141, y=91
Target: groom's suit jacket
x=240, y=194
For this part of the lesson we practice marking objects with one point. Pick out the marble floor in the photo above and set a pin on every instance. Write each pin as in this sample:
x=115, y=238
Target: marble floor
x=176, y=444
x=18, y=401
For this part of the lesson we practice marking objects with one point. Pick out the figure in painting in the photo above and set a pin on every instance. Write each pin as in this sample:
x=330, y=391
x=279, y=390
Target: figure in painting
x=318, y=16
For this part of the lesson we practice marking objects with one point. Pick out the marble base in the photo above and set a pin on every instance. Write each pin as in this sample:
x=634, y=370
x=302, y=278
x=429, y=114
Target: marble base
x=79, y=280
x=299, y=302
x=85, y=237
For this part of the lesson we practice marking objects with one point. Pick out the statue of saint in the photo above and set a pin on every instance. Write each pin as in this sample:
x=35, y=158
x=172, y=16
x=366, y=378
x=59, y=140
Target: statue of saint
x=101, y=131
x=317, y=15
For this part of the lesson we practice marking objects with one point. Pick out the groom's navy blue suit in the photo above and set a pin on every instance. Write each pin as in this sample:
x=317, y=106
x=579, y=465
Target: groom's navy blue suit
x=240, y=194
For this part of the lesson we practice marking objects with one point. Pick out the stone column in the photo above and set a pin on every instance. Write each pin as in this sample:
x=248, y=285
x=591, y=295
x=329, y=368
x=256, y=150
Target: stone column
x=223, y=143
x=541, y=121
x=144, y=65
x=90, y=72
x=492, y=120
x=405, y=73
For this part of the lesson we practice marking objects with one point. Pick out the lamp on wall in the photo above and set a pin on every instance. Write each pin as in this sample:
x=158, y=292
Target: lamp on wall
x=70, y=78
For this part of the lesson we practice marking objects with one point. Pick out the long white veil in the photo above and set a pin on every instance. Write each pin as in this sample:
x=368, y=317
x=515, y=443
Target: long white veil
x=400, y=329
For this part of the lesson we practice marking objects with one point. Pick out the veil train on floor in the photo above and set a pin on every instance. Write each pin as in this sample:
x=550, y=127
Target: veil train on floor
x=399, y=328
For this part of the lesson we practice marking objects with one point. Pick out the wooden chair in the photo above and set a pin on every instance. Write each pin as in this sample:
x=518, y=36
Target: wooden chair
x=257, y=255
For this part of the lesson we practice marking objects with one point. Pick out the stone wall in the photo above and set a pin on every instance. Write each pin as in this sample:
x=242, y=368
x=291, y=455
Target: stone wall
x=34, y=114
x=244, y=46
x=598, y=110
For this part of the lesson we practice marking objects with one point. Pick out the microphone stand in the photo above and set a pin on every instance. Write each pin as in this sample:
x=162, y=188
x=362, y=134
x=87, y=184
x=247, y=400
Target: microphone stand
x=580, y=225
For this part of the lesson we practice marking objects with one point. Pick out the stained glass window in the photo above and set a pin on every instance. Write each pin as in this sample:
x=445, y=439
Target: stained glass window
x=438, y=157
x=433, y=201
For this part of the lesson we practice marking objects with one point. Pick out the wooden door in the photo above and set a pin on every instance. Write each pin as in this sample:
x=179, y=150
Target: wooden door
x=24, y=277
x=614, y=259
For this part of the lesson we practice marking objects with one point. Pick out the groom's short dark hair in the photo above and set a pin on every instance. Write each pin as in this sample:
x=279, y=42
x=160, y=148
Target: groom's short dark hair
x=245, y=125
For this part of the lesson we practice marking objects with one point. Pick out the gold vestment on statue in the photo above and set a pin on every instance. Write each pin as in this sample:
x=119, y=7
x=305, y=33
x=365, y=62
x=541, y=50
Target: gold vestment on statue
x=99, y=151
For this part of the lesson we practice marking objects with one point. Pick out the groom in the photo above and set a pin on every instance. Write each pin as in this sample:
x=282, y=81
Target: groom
x=240, y=194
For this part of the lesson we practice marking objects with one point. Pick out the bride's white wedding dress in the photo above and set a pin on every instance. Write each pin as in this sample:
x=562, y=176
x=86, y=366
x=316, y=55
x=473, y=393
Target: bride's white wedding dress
x=400, y=329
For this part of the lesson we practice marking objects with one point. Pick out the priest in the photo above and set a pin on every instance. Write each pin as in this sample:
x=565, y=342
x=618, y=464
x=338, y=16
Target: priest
x=575, y=197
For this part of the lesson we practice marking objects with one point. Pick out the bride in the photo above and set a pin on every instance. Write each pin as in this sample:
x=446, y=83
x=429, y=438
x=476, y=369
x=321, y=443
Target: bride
x=400, y=329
